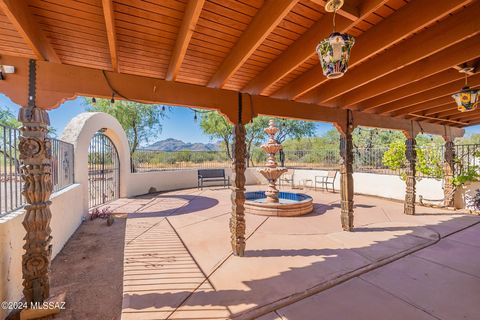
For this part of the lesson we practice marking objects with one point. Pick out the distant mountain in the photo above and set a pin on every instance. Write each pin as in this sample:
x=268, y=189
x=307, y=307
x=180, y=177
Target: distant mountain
x=171, y=144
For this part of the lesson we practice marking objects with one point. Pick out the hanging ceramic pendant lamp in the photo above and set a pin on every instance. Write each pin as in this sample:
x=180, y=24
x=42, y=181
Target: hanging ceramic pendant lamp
x=467, y=99
x=334, y=51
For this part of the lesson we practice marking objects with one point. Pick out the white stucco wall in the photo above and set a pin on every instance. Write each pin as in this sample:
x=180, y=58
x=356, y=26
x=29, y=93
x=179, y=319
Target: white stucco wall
x=381, y=185
x=67, y=215
x=140, y=183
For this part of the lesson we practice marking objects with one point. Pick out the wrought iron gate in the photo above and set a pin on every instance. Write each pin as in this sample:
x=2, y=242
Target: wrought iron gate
x=103, y=170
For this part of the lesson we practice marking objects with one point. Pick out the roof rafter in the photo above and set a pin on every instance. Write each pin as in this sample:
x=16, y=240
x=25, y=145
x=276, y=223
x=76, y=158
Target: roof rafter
x=407, y=20
x=267, y=19
x=436, y=63
x=190, y=18
x=111, y=33
x=24, y=22
x=434, y=39
x=425, y=84
x=303, y=49
x=447, y=89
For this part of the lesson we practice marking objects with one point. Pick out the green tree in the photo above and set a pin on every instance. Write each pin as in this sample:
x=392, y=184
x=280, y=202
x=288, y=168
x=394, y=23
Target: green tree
x=140, y=121
x=217, y=127
x=7, y=118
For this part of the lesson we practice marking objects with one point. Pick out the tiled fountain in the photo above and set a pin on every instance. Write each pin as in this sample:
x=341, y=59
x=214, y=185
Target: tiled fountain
x=273, y=202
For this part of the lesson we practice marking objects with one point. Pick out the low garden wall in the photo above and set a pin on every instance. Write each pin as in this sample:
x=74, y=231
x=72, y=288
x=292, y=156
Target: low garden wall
x=67, y=214
x=381, y=185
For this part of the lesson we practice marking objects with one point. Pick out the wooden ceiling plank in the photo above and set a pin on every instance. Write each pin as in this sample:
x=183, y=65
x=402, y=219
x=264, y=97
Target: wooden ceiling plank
x=189, y=22
x=452, y=30
x=263, y=23
x=20, y=16
x=108, y=13
x=407, y=20
x=445, y=59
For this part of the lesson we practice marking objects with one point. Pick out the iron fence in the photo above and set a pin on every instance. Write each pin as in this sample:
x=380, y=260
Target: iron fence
x=430, y=160
x=153, y=160
x=467, y=157
x=10, y=178
x=10, y=175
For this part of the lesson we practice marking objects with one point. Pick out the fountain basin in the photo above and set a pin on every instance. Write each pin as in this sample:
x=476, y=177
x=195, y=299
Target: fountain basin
x=290, y=204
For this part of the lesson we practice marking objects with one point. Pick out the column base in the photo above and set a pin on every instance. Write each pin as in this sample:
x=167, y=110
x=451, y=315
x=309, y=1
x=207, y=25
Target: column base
x=49, y=308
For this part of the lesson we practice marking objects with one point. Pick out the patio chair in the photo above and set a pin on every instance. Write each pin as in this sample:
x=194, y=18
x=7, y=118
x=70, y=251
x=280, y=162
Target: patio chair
x=287, y=177
x=325, y=181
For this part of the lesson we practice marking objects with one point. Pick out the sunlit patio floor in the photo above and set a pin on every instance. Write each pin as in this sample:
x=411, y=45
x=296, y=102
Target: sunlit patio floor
x=178, y=262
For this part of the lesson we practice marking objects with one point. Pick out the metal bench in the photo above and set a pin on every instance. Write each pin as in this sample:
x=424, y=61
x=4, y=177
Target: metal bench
x=211, y=175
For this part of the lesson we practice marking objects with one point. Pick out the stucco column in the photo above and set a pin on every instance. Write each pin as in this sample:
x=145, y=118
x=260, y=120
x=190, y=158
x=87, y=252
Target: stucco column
x=411, y=155
x=35, y=157
x=449, y=172
x=237, y=220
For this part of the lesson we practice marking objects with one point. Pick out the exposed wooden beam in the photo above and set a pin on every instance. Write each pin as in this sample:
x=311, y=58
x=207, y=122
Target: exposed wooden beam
x=452, y=30
x=436, y=63
x=348, y=10
x=111, y=33
x=436, y=80
x=423, y=106
x=409, y=19
x=267, y=19
x=190, y=18
x=431, y=119
x=304, y=48
x=24, y=22
x=432, y=107
x=58, y=82
x=445, y=90
x=434, y=111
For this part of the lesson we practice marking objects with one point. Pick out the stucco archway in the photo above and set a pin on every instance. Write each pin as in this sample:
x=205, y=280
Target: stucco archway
x=80, y=130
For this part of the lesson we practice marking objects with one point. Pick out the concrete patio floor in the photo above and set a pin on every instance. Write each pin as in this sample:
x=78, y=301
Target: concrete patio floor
x=178, y=262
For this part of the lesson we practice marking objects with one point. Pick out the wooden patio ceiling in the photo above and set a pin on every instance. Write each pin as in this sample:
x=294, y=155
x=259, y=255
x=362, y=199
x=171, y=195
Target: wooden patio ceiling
x=404, y=64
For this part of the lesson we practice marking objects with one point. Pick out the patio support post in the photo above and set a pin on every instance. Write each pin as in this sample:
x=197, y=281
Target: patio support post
x=346, y=172
x=237, y=220
x=35, y=156
x=411, y=155
x=448, y=172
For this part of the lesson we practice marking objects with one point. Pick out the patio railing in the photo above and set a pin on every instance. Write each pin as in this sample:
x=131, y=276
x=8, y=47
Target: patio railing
x=368, y=160
x=10, y=176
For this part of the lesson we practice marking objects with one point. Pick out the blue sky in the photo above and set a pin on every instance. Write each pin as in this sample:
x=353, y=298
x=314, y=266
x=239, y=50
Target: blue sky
x=179, y=125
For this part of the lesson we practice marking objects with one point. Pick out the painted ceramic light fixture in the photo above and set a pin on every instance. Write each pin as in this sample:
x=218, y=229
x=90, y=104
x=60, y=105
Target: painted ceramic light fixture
x=467, y=99
x=334, y=51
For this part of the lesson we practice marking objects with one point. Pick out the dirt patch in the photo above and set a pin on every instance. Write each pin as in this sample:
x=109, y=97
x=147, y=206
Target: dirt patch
x=90, y=269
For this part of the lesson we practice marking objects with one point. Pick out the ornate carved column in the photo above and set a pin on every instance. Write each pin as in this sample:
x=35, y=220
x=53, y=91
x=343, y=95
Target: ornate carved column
x=237, y=220
x=448, y=173
x=411, y=155
x=35, y=157
x=346, y=176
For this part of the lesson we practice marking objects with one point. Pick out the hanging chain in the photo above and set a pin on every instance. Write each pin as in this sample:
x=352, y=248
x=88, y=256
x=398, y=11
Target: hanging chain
x=334, y=13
